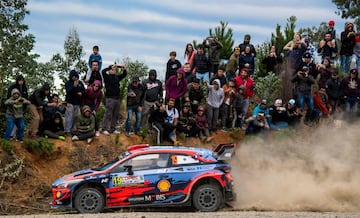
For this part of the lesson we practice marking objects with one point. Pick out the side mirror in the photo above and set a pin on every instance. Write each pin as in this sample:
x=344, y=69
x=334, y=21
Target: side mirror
x=129, y=170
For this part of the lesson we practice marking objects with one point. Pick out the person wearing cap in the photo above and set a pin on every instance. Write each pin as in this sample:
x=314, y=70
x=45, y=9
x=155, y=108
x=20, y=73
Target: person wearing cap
x=309, y=47
x=347, y=38
x=172, y=65
x=153, y=91
x=112, y=97
x=176, y=87
x=186, y=123
x=304, y=82
x=331, y=29
x=75, y=90
x=350, y=87
x=333, y=90
x=308, y=61
x=194, y=95
x=15, y=114
x=202, y=124
x=233, y=64
x=84, y=126
x=293, y=113
x=328, y=47
x=39, y=98
x=261, y=107
x=134, y=103
x=214, y=100
x=237, y=108
x=256, y=124
x=277, y=119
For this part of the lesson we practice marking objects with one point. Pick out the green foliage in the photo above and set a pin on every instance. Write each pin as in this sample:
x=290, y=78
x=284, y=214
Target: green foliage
x=348, y=9
x=144, y=132
x=6, y=145
x=268, y=87
x=117, y=139
x=261, y=51
x=42, y=146
x=280, y=39
x=224, y=35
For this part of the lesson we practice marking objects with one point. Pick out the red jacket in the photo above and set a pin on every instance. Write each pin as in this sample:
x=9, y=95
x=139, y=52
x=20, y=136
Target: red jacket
x=318, y=103
x=248, y=83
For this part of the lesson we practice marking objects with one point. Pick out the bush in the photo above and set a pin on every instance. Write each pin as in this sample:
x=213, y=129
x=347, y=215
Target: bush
x=42, y=147
x=6, y=145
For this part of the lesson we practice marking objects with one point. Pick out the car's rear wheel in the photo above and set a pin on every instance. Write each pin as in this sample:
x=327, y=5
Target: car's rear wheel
x=208, y=198
x=89, y=200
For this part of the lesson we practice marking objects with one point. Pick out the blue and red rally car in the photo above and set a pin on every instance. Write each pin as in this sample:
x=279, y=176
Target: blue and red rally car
x=151, y=176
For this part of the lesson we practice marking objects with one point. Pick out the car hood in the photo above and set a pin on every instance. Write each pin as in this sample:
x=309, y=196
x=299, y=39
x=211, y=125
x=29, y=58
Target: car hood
x=78, y=175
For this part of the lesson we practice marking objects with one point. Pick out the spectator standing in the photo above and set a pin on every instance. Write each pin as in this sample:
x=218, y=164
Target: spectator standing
x=295, y=50
x=233, y=64
x=188, y=74
x=84, y=126
x=347, y=38
x=39, y=98
x=247, y=60
x=134, y=104
x=189, y=54
x=244, y=79
x=194, y=95
x=112, y=97
x=172, y=65
x=309, y=47
x=328, y=47
x=153, y=91
x=325, y=71
x=245, y=43
x=350, y=87
x=220, y=75
x=333, y=90
x=15, y=115
x=229, y=95
x=237, y=107
x=303, y=91
x=93, y=74
x=356, y=55
x=201, y=64
x=75, y=90
x=214, y=47
x=271, y=60
x=93, y=98
x=176, y=87
x=214, y=100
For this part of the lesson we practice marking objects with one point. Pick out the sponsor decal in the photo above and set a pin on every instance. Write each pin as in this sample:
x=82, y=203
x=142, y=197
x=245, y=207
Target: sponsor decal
x=128, y=180
x=164, y=185
x=147, y=198
x=105, y=180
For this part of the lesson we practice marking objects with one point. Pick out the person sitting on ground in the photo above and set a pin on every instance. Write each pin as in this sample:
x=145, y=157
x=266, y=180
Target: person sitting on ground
x=15, y=115
x=256, y=124
x=84, y=126
x=194, y=95
x=202, y=124
x=237, y=108
x=278, y=116
x=333, y=90
x=322, y=106
x=49, y=112
x=262, y=107
x=293, y=113
x=55, y=127
x=186, y=123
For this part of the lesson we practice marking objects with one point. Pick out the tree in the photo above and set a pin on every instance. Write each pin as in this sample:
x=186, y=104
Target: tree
x=349, y=9
x=16, y=44
x=224, y=35
x=73, y=57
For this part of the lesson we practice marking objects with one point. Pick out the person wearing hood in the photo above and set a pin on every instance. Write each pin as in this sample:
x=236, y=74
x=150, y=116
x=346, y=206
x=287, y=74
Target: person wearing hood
x=176, y=87
x=214, y=100
x=75, y=90
x=19, y=85
x=153, y=91
x=15, y=114
x=350, y=87
x=84, y=126
x=93, y=97
x=55, y=127
x=347, y=38
x=39, y=98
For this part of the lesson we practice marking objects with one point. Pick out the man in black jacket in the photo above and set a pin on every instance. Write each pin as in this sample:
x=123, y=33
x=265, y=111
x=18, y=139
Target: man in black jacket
x=134, y=103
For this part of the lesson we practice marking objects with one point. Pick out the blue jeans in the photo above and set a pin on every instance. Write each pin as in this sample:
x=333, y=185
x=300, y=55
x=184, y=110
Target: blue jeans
x=278, y=125
x=345, y=63
x=203, y=76
x=130, y=112
x=351, y=103
x=302, y=99
x=20, y=124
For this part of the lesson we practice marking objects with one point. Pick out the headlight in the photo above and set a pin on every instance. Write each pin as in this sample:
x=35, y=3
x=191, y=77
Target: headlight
x=66, y=184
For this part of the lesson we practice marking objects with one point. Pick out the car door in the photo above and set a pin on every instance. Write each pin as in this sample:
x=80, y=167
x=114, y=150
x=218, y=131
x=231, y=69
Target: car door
x=135, y=181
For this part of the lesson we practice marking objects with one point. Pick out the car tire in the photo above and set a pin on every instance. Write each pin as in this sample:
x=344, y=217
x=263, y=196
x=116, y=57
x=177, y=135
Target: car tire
x=207, y=198
x=89, y=200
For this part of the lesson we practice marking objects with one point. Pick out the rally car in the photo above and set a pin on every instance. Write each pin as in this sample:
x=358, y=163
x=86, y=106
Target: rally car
x=151, y=176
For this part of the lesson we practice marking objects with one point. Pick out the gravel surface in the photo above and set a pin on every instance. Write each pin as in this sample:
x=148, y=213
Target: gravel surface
x=221, y=214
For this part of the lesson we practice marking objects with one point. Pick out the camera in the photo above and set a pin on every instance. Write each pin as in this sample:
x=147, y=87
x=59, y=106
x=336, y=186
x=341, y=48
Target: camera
x=21, y=100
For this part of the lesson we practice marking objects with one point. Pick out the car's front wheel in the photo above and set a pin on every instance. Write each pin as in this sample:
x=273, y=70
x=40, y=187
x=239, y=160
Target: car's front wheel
x=89, y=200
x=207, y=198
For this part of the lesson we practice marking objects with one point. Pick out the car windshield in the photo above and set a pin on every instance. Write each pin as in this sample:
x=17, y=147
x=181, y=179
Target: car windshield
x=109, y=164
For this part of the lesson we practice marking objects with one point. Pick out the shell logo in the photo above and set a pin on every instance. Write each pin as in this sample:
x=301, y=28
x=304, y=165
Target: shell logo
x=164, y=185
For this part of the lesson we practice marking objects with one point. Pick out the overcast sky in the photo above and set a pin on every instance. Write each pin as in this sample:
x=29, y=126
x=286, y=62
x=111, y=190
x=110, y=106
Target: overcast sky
x=147, y=30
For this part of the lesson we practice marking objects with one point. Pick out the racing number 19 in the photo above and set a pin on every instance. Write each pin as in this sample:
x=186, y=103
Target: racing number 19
x=117, y=180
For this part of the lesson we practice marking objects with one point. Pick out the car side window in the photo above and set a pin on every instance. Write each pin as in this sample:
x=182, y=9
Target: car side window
x=143, y=162
x=180, y=159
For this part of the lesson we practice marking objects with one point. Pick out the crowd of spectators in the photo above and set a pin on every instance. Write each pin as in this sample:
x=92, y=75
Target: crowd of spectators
x=201, y=96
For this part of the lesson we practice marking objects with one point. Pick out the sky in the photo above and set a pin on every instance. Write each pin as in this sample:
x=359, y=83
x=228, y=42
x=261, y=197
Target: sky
x=147, y=30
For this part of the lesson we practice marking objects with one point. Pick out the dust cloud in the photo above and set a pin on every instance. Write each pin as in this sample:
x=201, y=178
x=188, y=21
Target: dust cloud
x=311, y=169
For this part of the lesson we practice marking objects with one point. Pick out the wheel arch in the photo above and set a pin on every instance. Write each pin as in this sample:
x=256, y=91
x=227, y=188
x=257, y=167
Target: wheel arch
x=207, y=180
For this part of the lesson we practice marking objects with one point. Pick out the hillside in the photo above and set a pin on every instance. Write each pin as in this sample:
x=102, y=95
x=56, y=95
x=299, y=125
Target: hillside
x=30, y=191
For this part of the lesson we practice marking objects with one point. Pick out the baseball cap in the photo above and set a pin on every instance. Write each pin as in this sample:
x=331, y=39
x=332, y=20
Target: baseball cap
x=331, y=22
x=305, y=68
x=292, y=102
x=354, y=70
x=307, y=55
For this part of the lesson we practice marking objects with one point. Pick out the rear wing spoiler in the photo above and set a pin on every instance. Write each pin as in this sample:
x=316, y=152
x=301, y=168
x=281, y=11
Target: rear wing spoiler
x=224, y=151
